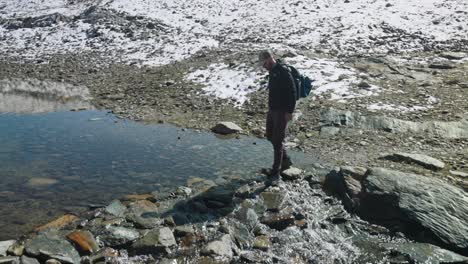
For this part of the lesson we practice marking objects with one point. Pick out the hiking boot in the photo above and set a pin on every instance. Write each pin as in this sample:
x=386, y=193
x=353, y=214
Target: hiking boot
x=286, y=164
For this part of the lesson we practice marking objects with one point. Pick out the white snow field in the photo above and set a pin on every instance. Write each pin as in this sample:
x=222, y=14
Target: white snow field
x=158, y=32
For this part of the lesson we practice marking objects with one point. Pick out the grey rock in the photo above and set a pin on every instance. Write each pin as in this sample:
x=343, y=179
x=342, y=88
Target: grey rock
x=182, y=190
x=459, y=174
x=116, y=208
x=273, y=200
x=184, y=230
x=156, y=240
x=144, y=214
x=53, y=261
x=292, y=174
x=453, y=55
x=357, y=173
x=4, y=246
x=424, y=253
x=52, y=245
x=278, y=220
x=9, y=260
x=421, y=159
x=219, y=248
x=442, y=66
x=329, y=131
x=247, y=216
x=331, y=118
x=429, y=209
x=226, y=128
x=28, y=260
x=114, y=236
x=240, y=234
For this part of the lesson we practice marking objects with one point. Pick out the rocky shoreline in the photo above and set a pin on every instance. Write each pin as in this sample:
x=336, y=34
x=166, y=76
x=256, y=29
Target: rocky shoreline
x=250, y=222
x=148, y=228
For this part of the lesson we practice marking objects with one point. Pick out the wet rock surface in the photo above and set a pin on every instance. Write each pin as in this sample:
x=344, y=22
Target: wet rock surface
x=295, y=221
x=416, y=205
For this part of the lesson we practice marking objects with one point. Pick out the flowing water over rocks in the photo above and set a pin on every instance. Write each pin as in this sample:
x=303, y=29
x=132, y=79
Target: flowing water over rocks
x=244, y=221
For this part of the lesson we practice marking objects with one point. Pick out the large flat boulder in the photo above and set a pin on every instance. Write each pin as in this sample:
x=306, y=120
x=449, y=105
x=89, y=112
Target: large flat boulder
x=428, y=209
x=420, y=159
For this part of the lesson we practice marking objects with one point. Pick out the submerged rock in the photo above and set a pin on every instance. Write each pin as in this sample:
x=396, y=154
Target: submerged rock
x=59, y=222
x=41, y=182
x=420, y=159
x=226, y=128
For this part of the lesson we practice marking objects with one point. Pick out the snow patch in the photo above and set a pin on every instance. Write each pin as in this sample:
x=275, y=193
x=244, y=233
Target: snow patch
x=392, y=107
x=227, y=82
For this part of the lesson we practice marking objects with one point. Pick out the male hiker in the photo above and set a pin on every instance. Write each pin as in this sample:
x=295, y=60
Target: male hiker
x=281, y=104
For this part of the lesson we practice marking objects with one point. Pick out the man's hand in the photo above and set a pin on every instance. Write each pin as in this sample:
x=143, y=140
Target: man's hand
x=288, y=117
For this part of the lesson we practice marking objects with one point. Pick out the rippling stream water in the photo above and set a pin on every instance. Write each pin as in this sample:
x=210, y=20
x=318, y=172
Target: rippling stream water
x=54, y=161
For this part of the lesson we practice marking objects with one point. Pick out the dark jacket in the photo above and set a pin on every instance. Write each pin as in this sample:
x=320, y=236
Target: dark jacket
x=281, y=89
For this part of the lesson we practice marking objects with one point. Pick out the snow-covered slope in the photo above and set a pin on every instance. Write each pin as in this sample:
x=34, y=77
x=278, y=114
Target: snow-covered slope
x=161, y=31
x=158, y=32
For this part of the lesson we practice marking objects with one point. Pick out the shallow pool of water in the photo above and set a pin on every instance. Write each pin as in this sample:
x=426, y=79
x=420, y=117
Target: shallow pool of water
x=57, y=162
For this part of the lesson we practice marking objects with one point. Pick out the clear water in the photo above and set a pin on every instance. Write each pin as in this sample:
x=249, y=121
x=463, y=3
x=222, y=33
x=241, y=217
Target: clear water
x=57, y=162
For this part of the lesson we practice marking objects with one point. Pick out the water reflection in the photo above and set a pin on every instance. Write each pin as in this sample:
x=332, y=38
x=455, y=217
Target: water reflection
x=35, y=96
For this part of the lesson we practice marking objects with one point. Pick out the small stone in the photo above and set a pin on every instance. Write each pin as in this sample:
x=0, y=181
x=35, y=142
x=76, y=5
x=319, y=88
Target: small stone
x=357, y=173
x=139, y=197
x=278, y=221
x=84, y=241
x=104, y=255
x=364, y=85
x=459, y=174
x=292, y=174
x=28, y=260
x=116, y=208
x=453, y=55
x=53, y=261
x=442, y=66
x=182, y=190
x=262, y=243
x=219, y=248
x=16, y=249
x=273, y=200
x=4, y=246
x=116, y=235
x=184, y=230
x=226, y=128
x=9, y=260
x=156, y=240
x=59, y=223
x=420, y=159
